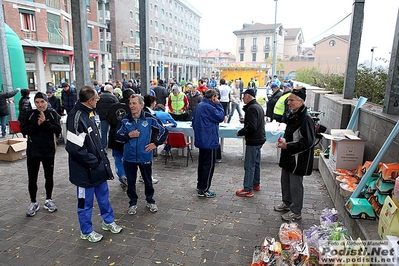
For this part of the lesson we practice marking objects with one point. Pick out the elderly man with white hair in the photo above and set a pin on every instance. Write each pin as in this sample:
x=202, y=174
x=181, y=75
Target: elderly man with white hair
x=107, y=98
x=178, y=104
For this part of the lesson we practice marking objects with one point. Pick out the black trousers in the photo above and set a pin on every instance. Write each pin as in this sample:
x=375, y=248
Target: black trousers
x=33, y=164
x=206, y=167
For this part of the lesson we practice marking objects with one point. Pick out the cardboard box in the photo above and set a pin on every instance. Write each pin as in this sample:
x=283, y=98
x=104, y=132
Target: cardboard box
x=347, y=150
x=13, y=149
x=389, y=219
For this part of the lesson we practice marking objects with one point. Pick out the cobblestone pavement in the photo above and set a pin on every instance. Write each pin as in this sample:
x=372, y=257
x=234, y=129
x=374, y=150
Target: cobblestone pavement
x=187, y=230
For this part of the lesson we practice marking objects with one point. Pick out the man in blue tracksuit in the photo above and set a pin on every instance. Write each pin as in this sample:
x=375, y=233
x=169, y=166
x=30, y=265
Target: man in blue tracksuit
x=89, y=167
x=135, y=130
x=206, y=118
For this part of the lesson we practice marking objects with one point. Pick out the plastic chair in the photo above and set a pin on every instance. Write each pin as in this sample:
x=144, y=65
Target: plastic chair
x=178, y=140
x=15, y=127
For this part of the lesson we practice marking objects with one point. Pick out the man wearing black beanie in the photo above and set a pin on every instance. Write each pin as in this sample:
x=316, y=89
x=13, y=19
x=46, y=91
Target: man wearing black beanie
x=41, y=126
x=297, y=152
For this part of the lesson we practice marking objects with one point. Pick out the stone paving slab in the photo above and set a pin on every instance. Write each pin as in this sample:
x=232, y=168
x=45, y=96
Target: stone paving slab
x=187, y=230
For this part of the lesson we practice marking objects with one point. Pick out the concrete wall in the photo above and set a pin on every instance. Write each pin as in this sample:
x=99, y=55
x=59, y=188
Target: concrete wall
x=373, y=125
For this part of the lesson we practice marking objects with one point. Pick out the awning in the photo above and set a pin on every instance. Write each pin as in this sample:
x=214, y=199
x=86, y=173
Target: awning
x=26, y=11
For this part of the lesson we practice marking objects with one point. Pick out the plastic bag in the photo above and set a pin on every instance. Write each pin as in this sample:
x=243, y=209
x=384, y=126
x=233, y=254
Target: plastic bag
x=275, y=127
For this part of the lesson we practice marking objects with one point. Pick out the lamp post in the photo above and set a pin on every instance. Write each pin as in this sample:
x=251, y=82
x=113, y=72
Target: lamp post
x=372, y=56
x=274, y=68
x=336, y=65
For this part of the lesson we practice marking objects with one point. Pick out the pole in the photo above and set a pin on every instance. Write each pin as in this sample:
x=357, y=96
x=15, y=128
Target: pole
x=274, y=69
x=372, y=57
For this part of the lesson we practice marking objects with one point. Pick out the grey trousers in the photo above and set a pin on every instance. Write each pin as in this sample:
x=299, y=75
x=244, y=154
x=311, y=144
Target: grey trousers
x=292, y=190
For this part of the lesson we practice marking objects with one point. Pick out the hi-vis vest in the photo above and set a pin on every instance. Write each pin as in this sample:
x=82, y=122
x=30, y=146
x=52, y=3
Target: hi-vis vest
x=177, y=102
x=280, y=104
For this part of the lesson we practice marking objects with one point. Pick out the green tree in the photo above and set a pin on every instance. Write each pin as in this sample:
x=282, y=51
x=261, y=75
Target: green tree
x=370, y=83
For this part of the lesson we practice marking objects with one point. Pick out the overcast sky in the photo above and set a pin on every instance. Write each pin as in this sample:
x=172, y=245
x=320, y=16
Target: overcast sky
x=221, y=17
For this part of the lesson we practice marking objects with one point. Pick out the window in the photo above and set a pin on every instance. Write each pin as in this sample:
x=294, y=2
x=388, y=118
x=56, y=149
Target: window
x=54, y=29
x=253, y=57
x=241, y=57
x=66, y=31
x=137, y=18
x=131, y=14
x=137, y=37
x=131, y=34
x=27, y=18
x=89, y=34
x=267, y=55
x=163, y=29
x=267, y=41
x=53, y=3
x=156, y=26
x=254, y=41
x=242, y=42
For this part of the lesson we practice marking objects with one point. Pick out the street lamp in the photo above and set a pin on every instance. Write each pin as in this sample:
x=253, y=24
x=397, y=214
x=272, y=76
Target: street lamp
x=336, y=65
x=372, y=55
x=274, y=69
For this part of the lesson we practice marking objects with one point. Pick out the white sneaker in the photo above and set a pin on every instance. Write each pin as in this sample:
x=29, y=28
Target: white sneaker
x=152, y=206
x=132, y=210
x=154, y=180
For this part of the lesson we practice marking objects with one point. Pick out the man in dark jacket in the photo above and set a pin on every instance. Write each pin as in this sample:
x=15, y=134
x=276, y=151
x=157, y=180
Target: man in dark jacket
x=24, y=104
x=206, y=118
x=4, y=110
x=255, y=137
x=89, y=167
x=68, y=97
x=106, y=100
x=54, y=101
x=42, y=126
x=297, y=152
x=194, y=97
x=161, y=92
x=272, y=101
x=115, y=114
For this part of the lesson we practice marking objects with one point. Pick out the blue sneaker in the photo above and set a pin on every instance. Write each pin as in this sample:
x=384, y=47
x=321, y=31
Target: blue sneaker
x=206, y=194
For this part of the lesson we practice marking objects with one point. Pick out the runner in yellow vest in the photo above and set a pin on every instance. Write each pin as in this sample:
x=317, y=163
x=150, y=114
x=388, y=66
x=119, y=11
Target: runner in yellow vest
x=281, y=107
x=177, y=104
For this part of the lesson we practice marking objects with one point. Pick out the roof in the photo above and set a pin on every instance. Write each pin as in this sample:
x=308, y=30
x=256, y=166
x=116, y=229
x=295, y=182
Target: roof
x=216, y=53
x=257, y=27
x=344, y=38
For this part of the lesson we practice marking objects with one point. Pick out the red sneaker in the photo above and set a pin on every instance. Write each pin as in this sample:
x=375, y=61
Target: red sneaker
x=256, y=187
x=243, y=193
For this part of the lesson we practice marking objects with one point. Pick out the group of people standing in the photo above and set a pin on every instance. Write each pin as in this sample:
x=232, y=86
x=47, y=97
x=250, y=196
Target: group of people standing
x=135, y=134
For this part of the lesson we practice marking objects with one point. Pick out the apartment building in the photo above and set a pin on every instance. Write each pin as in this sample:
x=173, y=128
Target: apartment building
x=45, y=30
x=174, y=44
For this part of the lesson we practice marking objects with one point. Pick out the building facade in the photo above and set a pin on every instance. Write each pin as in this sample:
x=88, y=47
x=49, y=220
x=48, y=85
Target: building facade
x=113, y=29
x=174, y=45
x=331, y=54
x=45, y=30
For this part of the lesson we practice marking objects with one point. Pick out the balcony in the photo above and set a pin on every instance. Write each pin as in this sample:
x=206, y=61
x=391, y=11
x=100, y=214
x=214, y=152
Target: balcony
x=107, y=16
x=128, y=56
x=29, y=35
x=266, y=48
x=254, y=48
x=53, y=3
x=242, y=48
